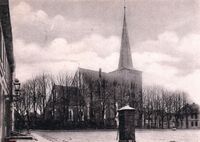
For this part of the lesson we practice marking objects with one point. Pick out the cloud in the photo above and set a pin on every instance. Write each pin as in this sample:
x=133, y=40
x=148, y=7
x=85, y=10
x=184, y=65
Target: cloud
x=46, y=42
x=171, y=61
x=190, y=44
x=36, y=25
x=90, y=52
x=190, y=83
x=184, y=49
x=24, y=14
x=95, y=51
x=154, y=71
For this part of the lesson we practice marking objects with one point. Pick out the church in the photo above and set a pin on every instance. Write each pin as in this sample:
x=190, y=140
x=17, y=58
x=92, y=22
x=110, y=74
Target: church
x=99, y=95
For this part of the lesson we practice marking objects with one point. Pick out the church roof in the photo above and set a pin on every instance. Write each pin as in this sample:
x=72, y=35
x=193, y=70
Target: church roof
x=94, y=74
x=125, y=60
x=117, y=75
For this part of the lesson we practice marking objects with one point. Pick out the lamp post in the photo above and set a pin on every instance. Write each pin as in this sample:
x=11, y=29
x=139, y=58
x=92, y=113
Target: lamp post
x=15, y=136
x=9, y=108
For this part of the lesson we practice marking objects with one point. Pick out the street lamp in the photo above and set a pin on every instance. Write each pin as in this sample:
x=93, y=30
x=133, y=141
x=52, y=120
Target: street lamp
x=16, y=91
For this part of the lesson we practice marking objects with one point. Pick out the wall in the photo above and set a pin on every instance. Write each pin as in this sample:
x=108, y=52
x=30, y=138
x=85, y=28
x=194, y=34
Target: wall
x=5, y=78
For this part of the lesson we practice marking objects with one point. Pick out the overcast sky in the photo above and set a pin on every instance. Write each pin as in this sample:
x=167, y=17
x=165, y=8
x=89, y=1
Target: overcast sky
x=60, y=35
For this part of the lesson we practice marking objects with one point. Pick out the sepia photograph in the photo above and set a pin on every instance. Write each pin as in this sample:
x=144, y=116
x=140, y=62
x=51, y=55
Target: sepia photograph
x=99, y=70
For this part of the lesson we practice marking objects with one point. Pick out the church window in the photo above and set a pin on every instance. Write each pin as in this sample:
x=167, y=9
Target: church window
x=70, y=115
x=82, y=115
x=192, y=124
x=88, y=111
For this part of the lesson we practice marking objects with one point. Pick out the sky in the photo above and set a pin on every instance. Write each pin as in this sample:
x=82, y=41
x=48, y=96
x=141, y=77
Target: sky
x=57, y=36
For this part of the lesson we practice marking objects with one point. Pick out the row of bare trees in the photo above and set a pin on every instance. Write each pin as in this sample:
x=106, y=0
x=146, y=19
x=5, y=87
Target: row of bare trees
x=160, y=106
x=30, y=104
x=102, y=98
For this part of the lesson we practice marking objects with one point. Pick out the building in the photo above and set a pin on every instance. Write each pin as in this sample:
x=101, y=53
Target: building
x=6, y=70
x=159, y=119
x=189, y=117
x=186, y=117
x=104, y=93
x=125, y=77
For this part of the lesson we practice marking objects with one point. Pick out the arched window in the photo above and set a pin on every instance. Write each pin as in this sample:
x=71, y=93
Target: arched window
x=82, y=114
x=88, y=111
x=70, y=115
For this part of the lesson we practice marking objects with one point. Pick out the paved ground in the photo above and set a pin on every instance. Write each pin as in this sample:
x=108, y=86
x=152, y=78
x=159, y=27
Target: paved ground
x=39, y=138
x=111, y=136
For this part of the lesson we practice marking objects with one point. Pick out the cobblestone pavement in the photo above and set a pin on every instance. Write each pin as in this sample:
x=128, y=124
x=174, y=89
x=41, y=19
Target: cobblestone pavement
x=111, y=136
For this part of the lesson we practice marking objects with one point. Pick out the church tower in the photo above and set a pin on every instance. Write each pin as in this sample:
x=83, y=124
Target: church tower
x=126, y=81
x=125, y=59
x=126, y=73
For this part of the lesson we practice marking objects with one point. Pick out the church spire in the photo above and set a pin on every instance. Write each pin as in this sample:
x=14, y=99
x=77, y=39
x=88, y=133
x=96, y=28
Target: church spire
x=125, y=59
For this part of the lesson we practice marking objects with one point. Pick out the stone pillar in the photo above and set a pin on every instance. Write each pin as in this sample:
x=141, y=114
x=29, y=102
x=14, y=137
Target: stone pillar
x=126, y=124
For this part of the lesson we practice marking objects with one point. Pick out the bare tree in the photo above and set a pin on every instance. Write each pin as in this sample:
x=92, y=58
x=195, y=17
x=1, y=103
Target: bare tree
x=162, y=106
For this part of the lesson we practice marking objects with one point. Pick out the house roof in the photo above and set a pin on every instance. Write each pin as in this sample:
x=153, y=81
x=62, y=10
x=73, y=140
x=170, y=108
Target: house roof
x=190, y=108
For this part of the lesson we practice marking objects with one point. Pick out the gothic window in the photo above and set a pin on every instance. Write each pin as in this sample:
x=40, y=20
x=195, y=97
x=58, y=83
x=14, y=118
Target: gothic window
x=104, y=115
x=196, y=123
x=88, y=111
x=192, y=124
x=82, y=115
x=70, y=115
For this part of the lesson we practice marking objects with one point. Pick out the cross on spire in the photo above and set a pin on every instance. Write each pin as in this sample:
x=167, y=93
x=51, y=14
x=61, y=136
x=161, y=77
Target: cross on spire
x=124, y=6
x=125, y=60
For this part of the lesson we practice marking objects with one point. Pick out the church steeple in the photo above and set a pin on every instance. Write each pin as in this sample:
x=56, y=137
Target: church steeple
x=125, y=59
